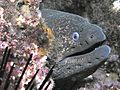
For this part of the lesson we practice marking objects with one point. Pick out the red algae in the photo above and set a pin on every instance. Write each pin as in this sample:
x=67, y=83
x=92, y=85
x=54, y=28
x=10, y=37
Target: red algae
x=19, y=28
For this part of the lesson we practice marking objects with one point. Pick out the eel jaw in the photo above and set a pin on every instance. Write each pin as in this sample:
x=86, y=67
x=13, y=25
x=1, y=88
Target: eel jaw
x=93, y=39
x=81, y=65
x=88, y=50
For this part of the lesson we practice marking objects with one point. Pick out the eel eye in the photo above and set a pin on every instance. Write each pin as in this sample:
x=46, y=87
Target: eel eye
x=75, y=36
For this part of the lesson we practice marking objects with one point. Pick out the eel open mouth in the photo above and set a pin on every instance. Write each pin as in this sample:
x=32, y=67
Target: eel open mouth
x=82, y=63
x=88, y=50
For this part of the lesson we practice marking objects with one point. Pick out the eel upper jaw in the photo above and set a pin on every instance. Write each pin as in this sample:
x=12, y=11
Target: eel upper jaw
x=93, y=39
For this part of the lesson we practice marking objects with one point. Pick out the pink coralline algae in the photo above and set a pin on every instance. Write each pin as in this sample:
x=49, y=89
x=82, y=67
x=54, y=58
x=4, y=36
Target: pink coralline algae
x=17, y=31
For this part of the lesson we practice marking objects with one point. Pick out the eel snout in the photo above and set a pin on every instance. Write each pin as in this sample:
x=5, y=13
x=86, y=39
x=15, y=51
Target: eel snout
x=91, y=38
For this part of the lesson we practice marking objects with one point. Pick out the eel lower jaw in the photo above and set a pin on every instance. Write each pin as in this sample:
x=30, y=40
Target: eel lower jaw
x=82, y=65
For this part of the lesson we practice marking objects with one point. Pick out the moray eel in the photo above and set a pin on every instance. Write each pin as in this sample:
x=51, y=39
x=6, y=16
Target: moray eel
x=78, y=45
